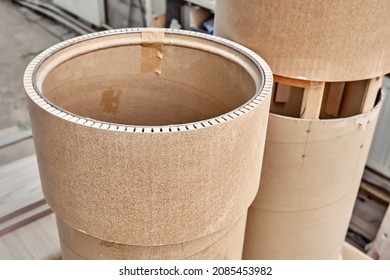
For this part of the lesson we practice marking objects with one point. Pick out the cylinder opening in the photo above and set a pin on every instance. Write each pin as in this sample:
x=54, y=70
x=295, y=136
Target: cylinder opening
x=100, y=79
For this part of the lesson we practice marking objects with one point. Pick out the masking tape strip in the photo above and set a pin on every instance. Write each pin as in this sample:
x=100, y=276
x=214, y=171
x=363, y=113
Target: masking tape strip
x=151, y=53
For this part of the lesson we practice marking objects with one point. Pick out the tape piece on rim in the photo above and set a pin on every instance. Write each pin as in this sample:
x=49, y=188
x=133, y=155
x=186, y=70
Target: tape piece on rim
x=151, y=53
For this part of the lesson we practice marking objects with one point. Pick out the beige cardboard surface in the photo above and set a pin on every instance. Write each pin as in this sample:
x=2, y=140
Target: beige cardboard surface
x=68, y=254
x=229, y=247
x=224, y=244
x=315, y=234
x=314, y=40
x=145, y=159
x=310, y=177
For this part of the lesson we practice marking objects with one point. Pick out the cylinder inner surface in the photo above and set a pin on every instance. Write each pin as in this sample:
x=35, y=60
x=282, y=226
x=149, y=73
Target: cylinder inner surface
x=107, y=85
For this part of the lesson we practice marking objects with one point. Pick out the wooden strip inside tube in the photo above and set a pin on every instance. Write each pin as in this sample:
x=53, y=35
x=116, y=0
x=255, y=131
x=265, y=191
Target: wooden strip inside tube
x=312, y=95
x=312, y=99
x=296, y=82
x=370, y=94
x=282, y=93
x=335, y=95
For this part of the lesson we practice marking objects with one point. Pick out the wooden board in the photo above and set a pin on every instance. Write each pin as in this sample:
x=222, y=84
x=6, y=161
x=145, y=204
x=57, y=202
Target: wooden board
x=370, y=94
x=382, y=241
x=35, y=241
x=367, y=215
x=19, y=185
x=353, y=96
x=282, y=94
x=325, y=99
x=296, y=82
x=335, y=95
x=376, y=180
x=27, y=225
x=21, y=197
x=310, y=105
x=312, y=100
x=351, y=253
x=15, y=137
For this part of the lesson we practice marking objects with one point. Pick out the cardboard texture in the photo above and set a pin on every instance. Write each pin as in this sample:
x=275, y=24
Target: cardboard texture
x=143, y=159
x=310, y=177
x=315, y=234
x=312, y=40
x=224, y=244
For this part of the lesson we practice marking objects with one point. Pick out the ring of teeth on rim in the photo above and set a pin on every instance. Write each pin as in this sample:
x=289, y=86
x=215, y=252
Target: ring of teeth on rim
x=262, y=92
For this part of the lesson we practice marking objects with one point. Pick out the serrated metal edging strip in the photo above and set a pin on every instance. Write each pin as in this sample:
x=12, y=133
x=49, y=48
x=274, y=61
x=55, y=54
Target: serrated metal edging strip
x=263, y=91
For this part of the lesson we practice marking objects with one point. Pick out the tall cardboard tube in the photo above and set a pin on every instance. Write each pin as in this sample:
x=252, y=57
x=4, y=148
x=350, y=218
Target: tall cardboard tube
x=149, y=137
x=310, y=178
x=312, y=40
x=312, y=168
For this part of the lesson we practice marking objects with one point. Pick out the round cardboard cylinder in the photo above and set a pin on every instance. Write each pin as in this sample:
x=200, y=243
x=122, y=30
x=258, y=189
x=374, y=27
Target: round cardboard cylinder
x=313, y=40
x=149, y=136
x=224, y=244
x=310, y=178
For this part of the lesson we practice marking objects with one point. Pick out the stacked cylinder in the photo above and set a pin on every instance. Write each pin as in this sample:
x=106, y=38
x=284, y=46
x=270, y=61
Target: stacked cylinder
x=328, y=60
x=143, y=151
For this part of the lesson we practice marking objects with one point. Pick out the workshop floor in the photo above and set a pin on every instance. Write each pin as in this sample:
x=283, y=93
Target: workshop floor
x=24, y=34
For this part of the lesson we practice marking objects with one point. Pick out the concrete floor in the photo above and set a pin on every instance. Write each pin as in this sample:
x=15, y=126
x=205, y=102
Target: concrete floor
x=24, y=34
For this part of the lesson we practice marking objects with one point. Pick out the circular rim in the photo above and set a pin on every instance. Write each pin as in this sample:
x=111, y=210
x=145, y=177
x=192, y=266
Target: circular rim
x=36, y=96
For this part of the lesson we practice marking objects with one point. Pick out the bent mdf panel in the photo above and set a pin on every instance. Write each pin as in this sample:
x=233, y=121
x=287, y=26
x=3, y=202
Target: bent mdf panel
x=312, y=40
x=310, y=178
x=328, y=66
x=225, y=244
x=149, y=137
